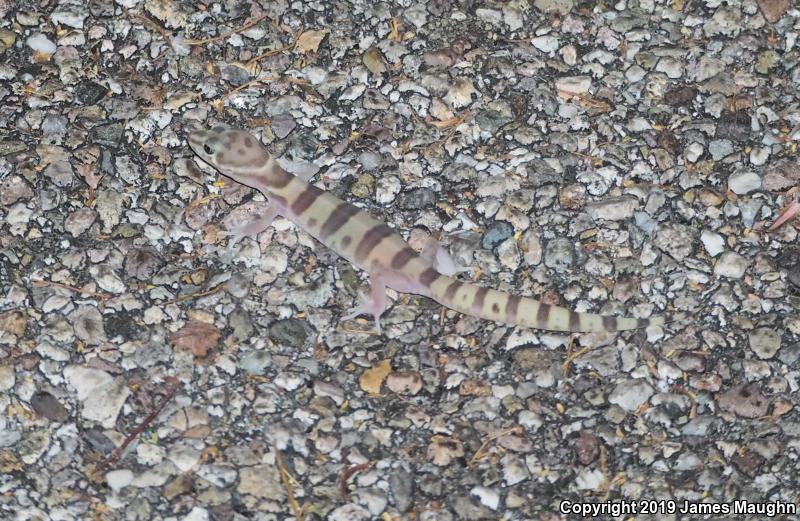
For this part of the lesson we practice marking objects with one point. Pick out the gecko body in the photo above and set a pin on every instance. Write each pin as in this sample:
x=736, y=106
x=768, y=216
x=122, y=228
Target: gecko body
x=375, y=247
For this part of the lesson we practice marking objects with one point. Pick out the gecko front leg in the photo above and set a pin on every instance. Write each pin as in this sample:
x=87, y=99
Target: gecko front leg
x=439, y=258
x=252, y=227
x=303, y=170
x=375, y=305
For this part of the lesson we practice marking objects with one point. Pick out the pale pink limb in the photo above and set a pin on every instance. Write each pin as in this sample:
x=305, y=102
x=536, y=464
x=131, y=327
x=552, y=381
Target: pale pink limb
x=441, y=260
x=303, y=170
x=251, y=228
x=375, y=305
x=789, y=213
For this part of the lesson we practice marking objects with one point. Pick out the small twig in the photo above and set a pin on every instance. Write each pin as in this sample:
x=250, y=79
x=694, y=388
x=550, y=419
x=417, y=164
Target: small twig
x=198, y=294
x=359, y=331
x=692, y=397
x=243, y=86
x=285, y=478
x=482, y=449
x=202, y=200
x=348, y=473
x=271, y=53
x=114, y=456
x=31, y=92
x=571, y=357
x=146, y=19
x=222, y=36
x=254, y=81
x=46, y=283
x=276, y=51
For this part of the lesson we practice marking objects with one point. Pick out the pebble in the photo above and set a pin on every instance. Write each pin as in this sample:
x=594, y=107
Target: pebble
x=417, y=199
x=555, y=6
x=70, y=15
x=613, y=209
x=630, y=395
x=731, y=265
x=47, y=406
x=406, y=383
x=13, y=189
x=87, y=323
x=329, y=390
x=119, y=479
x=261, y=481
x=750, y=210
x=60, y=173
x=547, y=43
x=514, y=470
x=713, y=242
x=40, y=43
x=745, y=400
x=386, y=189
x=765, y=342
x=759, y=156
x=107, y=279
x=7, y=378
x=487, y=496
x=292, y=332
x=283, y=124
x=79, y=221
x=720, y=149
x=559, y=255
x=88, y=92
x=672, y=67
x=102, y=395
x=743, y=182
x=402, y=485
x=676, y=240
x=349, y=512
x=726, y=20
x=496, y=233
x=573, y=85
x=197, y=514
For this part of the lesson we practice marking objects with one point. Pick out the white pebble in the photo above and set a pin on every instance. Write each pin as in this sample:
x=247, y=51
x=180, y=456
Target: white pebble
x=713, y=242
x=744, y=182
x=730, y=265
x=119, y=479
x=546, y=43
x=40, y=43
x=487, y=496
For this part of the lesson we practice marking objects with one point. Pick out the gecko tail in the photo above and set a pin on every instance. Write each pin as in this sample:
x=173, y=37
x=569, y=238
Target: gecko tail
x=526, y=312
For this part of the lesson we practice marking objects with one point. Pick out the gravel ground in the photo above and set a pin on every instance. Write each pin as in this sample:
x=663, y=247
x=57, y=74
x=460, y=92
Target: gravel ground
x=623, y=158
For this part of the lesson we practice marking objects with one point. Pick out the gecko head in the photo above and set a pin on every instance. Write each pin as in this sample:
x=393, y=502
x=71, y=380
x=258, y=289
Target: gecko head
x=235, y=153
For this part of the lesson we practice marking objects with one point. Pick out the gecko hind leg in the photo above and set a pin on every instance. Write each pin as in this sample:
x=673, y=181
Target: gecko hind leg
x=375, y=305
x=437, y=255
x=251, y=228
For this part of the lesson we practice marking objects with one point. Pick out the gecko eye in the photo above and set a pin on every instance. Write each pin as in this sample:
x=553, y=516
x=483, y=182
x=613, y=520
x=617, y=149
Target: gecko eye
x=207, y=149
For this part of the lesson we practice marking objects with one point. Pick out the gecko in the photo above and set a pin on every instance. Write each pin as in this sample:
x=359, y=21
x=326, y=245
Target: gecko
x=378, y=249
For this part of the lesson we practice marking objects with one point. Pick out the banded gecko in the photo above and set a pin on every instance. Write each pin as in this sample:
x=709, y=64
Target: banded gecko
x=375, y=247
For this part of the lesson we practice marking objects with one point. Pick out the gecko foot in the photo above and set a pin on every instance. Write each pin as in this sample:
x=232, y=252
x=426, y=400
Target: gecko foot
x=252, y=228
x=436, y=254
x=304, y=170
x=373, y=305
x=367, y=307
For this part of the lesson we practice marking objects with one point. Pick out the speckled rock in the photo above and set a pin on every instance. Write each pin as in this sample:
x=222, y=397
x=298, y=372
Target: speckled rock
x=731, y=265
x=765, y=342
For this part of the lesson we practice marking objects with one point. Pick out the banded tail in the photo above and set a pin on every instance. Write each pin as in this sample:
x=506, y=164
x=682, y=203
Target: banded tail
x=526, y=312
